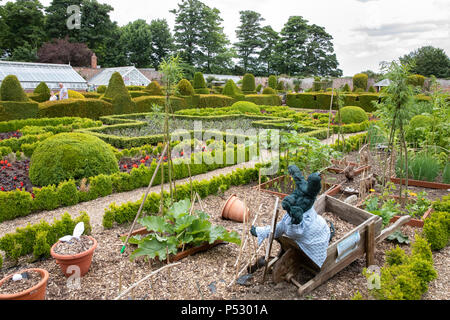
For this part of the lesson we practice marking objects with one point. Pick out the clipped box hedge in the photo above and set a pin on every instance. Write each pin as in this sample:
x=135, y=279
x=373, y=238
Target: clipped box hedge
x=145, y=103
x=84, y=108
x=264, y=99
x=12, y=110
x=211, y=101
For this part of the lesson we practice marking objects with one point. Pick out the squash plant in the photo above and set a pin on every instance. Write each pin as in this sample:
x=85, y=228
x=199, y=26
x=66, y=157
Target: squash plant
x=176, y=229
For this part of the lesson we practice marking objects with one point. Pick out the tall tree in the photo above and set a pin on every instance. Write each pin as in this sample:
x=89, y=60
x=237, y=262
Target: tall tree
x=135, y=40
x=25, y=25
x=162, y=41
x=428, y=61
x=110, y=53
x=249, y=34
x=268, y=55
x=199, y=36
x=320, y=58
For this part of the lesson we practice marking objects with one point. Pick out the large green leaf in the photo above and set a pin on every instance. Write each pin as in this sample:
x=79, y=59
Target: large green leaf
x=152, y=248
x=179, y=209
x=220, y=233
x=184, y=222
x=156, y=224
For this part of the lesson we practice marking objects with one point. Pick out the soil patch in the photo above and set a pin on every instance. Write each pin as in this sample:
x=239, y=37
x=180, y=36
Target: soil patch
x=341, y=226
x=29, y=280
x=74, y=246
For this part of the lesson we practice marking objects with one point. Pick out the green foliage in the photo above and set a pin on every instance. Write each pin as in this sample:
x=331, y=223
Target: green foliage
x=71, y=156
x=212, y=101
x=346, y=88
x=199, y=81
x=436, y=230
x=46, y=198
x=116, y=86
x=428, y=61
x=246, y=107
x=416, y=80
x=399, y=237
x=360, y=81
x=67, y=193
x=75, y=94
x=38, y=238
x=13, y=110
x=417, y=128
x=176, y=229
x=351, y=114
x=422, y=166
x=406, y=277
x=146, y=103
x=264, y=99
x=269, y=90
x=91, y=95
x=185, y=88
x=272, y=82
x=85, y=108
x=372, y=89
x=41, y=93
x=442, y=204
x=259, y=88
x=122, y=104
x=248, y=84
x=101, y=89
x=15, y=204
x=154, y=89
x=11, y=90
x=230, y=89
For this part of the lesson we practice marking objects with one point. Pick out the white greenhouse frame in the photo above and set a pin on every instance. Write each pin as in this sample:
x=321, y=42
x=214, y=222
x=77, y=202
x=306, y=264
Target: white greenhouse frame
x=131, y=77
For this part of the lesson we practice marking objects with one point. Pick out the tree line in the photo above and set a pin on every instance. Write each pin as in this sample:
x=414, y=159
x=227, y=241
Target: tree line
x=32, y=32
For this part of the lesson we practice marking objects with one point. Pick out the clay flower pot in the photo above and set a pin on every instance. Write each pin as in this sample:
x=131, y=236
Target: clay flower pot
x=233, y=209
x=83, y=260
x=34, y=293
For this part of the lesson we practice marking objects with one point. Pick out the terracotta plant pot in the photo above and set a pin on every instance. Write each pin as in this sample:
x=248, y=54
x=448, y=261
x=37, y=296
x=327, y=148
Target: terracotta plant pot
x=83, y=260
x=233, y=209
x=34, y=293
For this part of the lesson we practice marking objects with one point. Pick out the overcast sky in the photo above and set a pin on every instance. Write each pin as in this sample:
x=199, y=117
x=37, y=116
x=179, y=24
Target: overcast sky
x=364, y=32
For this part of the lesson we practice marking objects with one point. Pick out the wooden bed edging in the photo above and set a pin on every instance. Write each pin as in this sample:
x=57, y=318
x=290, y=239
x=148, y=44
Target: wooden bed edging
x=420, y=183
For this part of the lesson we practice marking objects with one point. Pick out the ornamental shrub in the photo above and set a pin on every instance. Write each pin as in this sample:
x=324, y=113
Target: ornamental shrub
x=185, y=88
x=281, y=86
x=416, y=130
x=248, y=84
x=259, y=88
x=269, y=90
x=416, y=80
x=71, y=156
x=199, y=81
x=372, y=89
x=246, y=107
x=11, y=90
x=360, y=81
x=264, y=99
x=346, y=88
x=436, y=230
x=272, y=82
x=41, y=93
x=145, y=104
x=122, y=104
x=84, y=108
x=75, y=95
x=154, y=89
x=230, y=89
x=352, y=114
x=101, y=89
x=116, y=86
x=13, y=110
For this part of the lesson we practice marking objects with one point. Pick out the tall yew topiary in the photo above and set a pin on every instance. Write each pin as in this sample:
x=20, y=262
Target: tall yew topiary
x=41, y=93
x=248, y=84
x=11, y=90
x=360, y=81
x=116, y=86
x=272, y=82
x=199, y=81
x=185, y=88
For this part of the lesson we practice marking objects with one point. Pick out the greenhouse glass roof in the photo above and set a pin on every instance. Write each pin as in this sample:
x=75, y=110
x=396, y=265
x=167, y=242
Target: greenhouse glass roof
x=31, y=74
x=131, y=76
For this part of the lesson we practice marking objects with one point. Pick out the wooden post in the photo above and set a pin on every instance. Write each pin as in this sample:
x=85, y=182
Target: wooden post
x=370, y=245
x=271, y=237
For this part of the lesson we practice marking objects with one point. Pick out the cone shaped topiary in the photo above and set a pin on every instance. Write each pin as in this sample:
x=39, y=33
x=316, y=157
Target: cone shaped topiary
x=199, y=81
x=272, y=82
x=154, y=89
x=41, y=93
x=11, y=90
x=116, y=86
x=248, y=84
x=185, y=88
x=71, y=155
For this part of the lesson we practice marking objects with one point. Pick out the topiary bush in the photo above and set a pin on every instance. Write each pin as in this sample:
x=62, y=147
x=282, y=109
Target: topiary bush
x=41, y=93
x=416, y=80
x=184, y=88
x=116, y=86
x=11, y=90
x=246, y=107
x=200, y=84
x=154, y=89
x=346, y=88
x=259, y=88
x=68, y=156
x=360, y=81
x=101, y=89
x=230, y=89
x=13, y=110
x=269, y=90
x=75, y=95
x=272, y=82
x=83, y=108
x=281, y=86
x=123, y=104
x=352, y=114
x=372, y=89
x=248, y=84
x=436, y=230
x=416, y=130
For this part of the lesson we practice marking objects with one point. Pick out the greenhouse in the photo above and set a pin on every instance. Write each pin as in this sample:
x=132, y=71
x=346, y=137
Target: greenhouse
x=131, y=77
x=31, y=74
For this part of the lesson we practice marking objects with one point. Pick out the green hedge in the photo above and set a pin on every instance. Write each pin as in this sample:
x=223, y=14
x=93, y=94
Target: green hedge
x=145, y=104
x=211, y=101
x=137, y=94
x=91, y=95
x=136, y=88
x=12, y=110
x=264, y=99
x=127, y=212
x=85, y=108
x=38, y=238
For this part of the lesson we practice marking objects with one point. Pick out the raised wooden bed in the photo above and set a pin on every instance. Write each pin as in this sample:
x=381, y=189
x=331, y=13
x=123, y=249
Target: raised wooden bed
x=180, y=255
x=358, y=242
x=357, y=170
x=421, y=183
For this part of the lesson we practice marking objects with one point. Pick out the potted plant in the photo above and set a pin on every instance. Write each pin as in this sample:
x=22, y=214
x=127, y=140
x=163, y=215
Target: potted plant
x=29, y=284
x=76, y=250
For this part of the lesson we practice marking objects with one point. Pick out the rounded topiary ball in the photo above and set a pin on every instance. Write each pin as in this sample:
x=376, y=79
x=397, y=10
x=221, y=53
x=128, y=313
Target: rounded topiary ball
x=185, y=87
x=246, y=107
x=352, y=114
x=71, y=156
x=11, y=90
x=269, y=90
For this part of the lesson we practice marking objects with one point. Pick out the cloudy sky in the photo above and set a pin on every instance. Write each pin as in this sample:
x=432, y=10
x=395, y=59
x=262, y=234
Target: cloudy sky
x=365, y=32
